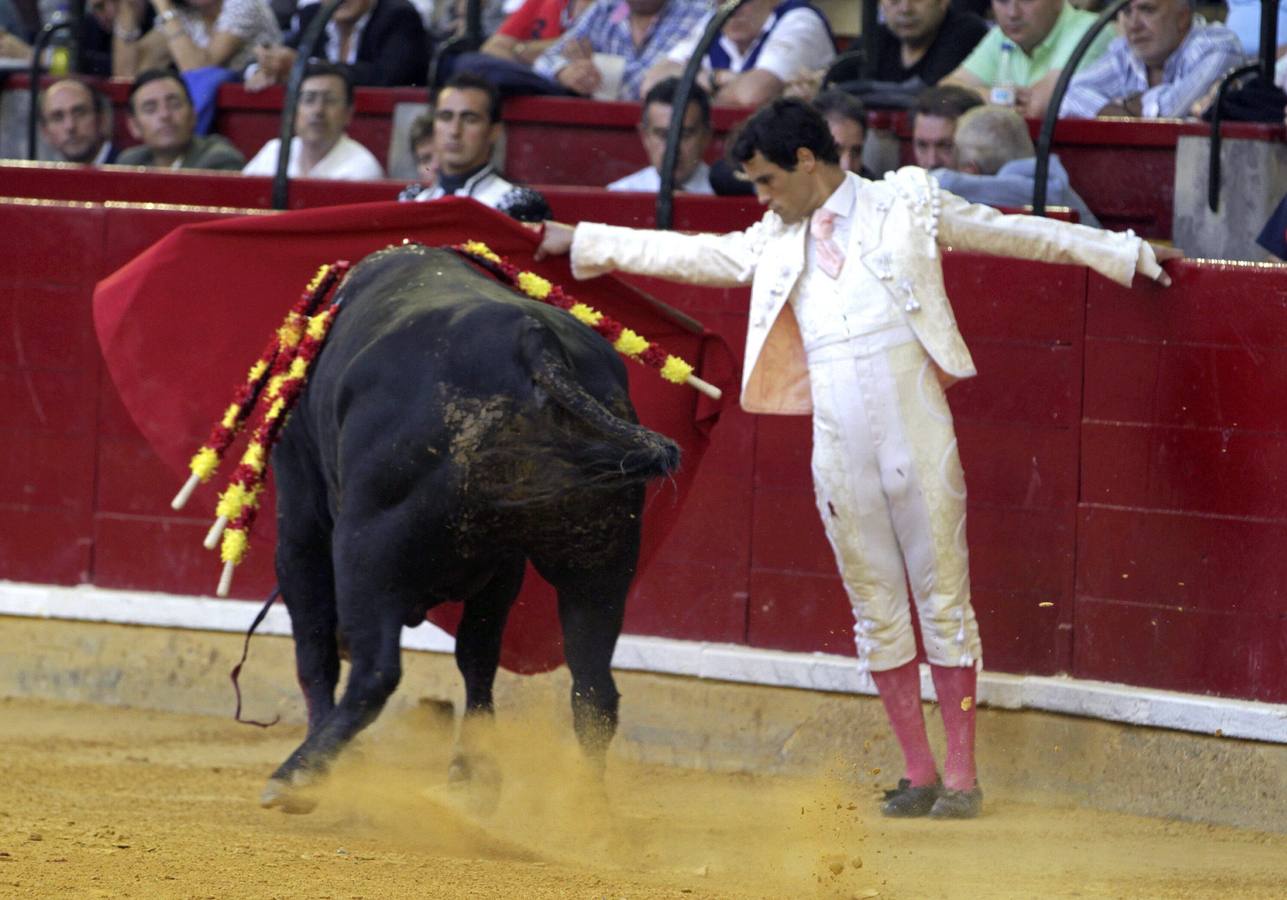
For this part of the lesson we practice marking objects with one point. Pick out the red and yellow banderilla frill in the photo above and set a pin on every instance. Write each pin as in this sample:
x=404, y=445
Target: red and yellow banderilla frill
x=271, y=388
x=275, y=381
x=622, y=339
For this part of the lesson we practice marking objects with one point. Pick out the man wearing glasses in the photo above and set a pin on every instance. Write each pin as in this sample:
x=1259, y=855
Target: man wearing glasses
x=320, y=148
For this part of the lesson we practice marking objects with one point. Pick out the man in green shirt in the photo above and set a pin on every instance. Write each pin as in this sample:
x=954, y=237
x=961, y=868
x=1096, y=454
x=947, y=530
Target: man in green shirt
x=163, y=118
x=1042, y=35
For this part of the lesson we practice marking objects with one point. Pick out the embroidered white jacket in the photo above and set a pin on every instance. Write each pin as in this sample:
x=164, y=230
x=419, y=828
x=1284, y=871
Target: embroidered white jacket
x=900, y=222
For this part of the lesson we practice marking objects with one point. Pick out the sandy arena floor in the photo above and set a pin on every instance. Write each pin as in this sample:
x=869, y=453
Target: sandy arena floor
x=105, y=802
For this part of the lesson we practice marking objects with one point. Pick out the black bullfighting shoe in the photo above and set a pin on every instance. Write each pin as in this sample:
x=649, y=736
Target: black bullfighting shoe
x=907, y=802
x=958, y=804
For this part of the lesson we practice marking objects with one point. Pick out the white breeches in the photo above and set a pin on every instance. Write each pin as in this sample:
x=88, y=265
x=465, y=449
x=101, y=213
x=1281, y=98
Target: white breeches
x=891, y=494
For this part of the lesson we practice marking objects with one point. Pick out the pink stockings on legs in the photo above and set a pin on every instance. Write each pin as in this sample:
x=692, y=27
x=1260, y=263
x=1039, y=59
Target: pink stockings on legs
x=900, y=691
x=956, y=698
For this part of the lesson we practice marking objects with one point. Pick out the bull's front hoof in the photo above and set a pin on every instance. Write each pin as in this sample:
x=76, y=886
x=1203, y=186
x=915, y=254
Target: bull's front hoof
x=279, y=794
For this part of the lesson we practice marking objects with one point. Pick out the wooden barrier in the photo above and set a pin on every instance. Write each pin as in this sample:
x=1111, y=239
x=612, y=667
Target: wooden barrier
x=1121, y=450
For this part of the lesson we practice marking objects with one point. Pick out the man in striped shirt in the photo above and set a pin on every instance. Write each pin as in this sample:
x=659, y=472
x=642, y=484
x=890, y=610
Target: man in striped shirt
x=638, y=33
x=1165, y=61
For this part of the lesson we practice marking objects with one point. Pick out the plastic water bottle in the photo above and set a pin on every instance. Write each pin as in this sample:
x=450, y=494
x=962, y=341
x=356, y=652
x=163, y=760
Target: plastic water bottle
x=60, y=53
x=1003, y=92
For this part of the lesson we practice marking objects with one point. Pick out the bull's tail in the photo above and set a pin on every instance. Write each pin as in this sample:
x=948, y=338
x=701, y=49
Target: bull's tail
x=609, y=449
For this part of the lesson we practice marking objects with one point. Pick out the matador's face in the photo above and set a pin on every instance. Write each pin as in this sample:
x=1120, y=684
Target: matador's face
x=789, y=193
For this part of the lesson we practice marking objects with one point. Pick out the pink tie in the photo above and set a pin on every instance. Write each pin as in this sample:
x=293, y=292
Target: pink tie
x=830, y=256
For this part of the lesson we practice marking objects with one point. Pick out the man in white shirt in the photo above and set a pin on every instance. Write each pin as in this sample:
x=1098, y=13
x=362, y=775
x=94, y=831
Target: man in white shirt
x=692, y=175
x=320, y=148
x=849, y=322
x=762, y=47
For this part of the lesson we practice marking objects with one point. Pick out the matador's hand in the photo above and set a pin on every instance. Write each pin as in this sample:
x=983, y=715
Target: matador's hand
x=555, y=241
x=1163, y=252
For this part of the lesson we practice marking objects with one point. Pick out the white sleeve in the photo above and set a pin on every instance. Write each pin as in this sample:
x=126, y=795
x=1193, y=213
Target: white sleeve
x=722, y=260
x=688, y=43
x=798, y=41
x=264, y=162
x=982, y=229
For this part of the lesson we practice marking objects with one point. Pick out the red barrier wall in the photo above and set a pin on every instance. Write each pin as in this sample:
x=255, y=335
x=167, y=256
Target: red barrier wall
x=1121, y=449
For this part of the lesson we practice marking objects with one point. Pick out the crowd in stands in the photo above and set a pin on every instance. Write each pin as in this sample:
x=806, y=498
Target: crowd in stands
x=940, y=59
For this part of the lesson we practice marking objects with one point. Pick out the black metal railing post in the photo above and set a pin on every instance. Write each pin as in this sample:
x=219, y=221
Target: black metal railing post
x=1047, y=135
x=474, y=23
x=870, y=29
x=1268, y=39
x=37, y=51
x=307, y=47
x=1213, y=158
x=679, y=108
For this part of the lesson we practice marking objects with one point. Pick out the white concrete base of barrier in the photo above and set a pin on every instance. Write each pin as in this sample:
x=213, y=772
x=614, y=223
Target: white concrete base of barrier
x=723, y=662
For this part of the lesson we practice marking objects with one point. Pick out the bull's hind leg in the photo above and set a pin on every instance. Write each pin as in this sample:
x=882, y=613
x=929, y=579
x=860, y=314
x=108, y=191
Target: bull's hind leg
x=592, y=608
x=478, y=648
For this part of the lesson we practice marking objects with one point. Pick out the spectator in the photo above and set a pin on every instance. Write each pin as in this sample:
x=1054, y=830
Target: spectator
x=449, y=17
x=161, y=115
x=691, y=174
x=1167, y=58
x=532, y=29
x=320, y=148
x=14, y=22
x=1244, y=20
x=638, y=33
x=1273, y=237
x=934, y=124
x=997, y=164
x=382, y=43
x=76, y=121
x=191, y=34
x=925, y=39
x=420, y=139
x=466, y=127
x=506, y=57
x=1037, y=36
x=764, y=45
x=17, y=29
x=94, y=40
x=847, y=120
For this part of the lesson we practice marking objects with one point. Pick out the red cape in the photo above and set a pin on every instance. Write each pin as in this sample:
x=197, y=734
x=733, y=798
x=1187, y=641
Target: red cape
x=180, y=324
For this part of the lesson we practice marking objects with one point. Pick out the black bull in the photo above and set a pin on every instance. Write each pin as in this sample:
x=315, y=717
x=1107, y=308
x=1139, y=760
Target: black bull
x=452, y=430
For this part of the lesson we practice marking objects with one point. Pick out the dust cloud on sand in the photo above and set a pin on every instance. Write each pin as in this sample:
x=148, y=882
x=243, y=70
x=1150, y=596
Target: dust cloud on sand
x=105, y=802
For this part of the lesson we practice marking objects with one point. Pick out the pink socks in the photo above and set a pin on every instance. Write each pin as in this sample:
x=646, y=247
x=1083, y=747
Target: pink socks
x=956, y=699
x=900, y=691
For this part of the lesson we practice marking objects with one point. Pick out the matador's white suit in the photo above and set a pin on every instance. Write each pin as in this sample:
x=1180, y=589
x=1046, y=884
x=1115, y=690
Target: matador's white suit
x=868, y=354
